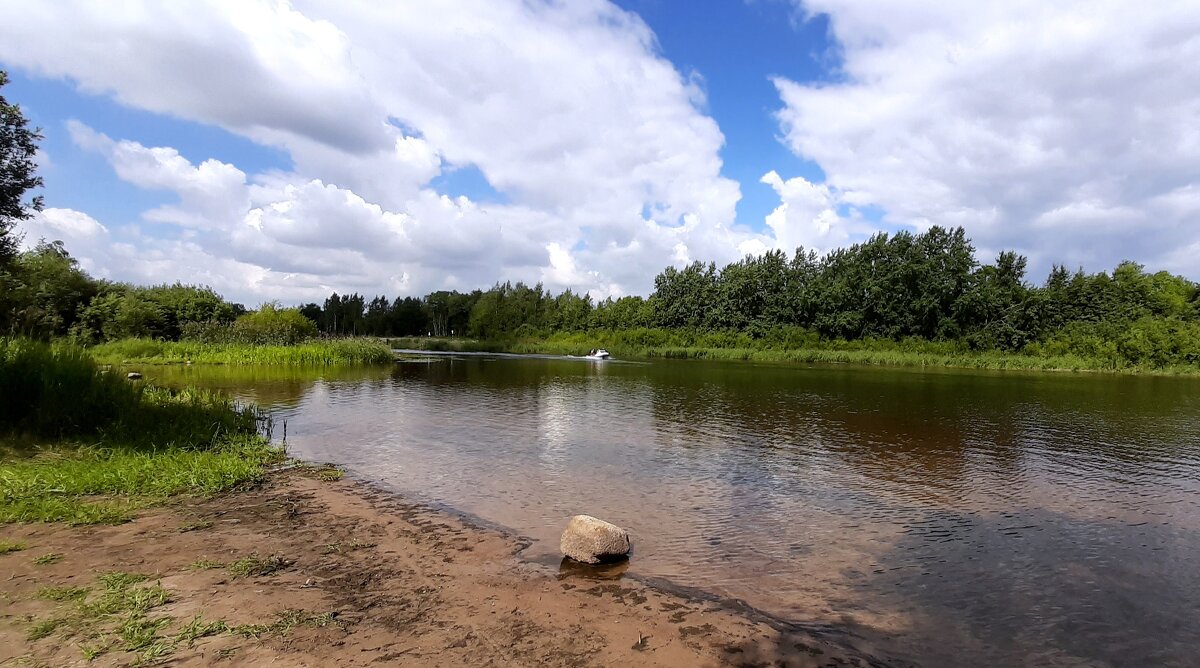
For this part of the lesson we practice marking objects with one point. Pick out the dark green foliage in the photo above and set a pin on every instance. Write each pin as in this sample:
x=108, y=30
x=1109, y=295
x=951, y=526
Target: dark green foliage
x=269, y=325
x=43, y=292
x=686, y=297
x=18, y=148
x=158, y=312
x=620, y=314
x=56, y=391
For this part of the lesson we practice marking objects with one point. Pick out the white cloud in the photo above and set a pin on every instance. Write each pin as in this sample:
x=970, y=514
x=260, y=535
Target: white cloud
x=79, y=231
x=1067, y=130
x=597, y=143
x=806, y=216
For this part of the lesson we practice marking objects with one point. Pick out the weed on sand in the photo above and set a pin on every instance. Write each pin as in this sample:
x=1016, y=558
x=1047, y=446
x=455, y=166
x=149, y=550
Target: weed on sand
x=255, y=566
x=286, y=621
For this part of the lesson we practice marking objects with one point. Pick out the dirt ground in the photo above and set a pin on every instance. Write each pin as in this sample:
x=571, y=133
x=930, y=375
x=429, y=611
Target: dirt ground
x=347, y=575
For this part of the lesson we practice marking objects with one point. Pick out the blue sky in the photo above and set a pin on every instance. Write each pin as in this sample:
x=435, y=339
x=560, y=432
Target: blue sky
x=286, y=150
x=734, y=47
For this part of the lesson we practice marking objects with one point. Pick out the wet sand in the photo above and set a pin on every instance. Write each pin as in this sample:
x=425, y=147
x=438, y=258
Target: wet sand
x=392, y=583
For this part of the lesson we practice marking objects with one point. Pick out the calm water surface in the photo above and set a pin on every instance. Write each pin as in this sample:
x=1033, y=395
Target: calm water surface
x=952, y=518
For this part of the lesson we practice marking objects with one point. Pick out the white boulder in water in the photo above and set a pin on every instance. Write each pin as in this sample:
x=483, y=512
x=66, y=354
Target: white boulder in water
x=133, y=375
x=592, y=540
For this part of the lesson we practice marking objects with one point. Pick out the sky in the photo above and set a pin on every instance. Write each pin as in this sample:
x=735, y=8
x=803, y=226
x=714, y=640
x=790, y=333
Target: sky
x=285, y=150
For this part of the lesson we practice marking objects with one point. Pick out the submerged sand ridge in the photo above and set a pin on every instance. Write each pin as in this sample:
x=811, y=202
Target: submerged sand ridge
x=352, y=575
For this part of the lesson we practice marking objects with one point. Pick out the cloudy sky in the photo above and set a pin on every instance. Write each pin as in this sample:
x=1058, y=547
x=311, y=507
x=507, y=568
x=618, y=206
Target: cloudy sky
x=278, y=150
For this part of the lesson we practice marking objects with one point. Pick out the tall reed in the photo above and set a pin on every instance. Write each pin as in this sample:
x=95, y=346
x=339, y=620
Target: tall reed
x=335, y=352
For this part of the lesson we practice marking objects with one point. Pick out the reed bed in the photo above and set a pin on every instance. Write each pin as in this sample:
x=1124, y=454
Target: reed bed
x=81, y=445
x=336, y=352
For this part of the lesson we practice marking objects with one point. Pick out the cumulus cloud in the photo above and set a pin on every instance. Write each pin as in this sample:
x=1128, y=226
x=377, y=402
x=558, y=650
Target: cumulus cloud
x=807, y=215
x=1067, y=130
x=607, y=164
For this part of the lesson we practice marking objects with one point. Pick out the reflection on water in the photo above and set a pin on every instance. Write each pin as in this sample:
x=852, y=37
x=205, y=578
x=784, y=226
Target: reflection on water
x=955, y=518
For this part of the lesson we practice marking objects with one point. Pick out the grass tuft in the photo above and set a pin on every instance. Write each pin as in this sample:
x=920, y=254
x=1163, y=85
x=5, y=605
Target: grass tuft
x=255, y=566
x=61, y=594
x=195, y=526
x=7, y=546
x=206, y=565
x=47, y=559
x=286, y=621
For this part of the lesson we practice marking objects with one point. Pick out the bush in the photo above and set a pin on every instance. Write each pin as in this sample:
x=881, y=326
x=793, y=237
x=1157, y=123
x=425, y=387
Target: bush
x=1149, y=342
x=270, y=325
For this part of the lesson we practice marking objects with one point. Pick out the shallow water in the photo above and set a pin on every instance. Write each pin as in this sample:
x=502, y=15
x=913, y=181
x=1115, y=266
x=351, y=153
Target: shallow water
x=952, y=518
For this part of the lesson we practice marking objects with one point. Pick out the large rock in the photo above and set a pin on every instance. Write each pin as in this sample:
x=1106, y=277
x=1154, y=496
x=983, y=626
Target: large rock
x=592, y=541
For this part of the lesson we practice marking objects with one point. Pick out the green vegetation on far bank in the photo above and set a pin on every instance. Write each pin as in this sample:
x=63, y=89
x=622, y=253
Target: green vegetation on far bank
x=312, y=353
x=83, y=446
x=800, y=346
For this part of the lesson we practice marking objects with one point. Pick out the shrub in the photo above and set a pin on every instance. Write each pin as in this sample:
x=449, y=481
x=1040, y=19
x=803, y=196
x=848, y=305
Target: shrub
x=270, y=325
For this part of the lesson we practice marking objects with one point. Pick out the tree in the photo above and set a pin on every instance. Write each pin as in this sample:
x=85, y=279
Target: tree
x=43, y=292
x=18, y=146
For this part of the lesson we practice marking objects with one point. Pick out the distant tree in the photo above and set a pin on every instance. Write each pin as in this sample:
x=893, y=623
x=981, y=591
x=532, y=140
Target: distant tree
x=273, y=325
x=313, y=312
x=378, y=318
x=18, y=146
x=686, y=297
x=408, y=317
x=43, y=292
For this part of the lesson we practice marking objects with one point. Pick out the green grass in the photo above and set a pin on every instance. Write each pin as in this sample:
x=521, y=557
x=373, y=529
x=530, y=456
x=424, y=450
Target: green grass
x=323, y=472
x=457, y=345
x=63, y=593
x=336, y=352
x=116, y=448
x=48, y=559
x=7, y=546
x=206, y=565
x=119, y=614
x=786, y=345
x=115, y=615
x=285, y=622
x=90, y=485
x=57, y=391
x=255, y=566
x=44, y=628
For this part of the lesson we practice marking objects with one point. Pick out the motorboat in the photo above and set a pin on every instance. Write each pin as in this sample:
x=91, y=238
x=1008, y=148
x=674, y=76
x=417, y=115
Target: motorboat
x=598, y=354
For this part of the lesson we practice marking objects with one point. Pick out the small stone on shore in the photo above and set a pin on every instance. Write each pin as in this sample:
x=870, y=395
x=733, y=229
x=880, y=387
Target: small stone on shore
x=133, y=375
x=591, y=540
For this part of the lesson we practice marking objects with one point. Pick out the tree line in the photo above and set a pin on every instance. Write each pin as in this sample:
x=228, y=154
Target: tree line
x=925, y=286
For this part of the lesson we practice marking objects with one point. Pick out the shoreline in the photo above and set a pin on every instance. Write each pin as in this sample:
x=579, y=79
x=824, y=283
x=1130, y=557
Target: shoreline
x=359, y=574
x=853, y=356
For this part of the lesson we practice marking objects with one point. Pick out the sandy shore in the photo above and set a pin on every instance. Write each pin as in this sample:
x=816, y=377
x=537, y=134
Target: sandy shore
x=365, y=578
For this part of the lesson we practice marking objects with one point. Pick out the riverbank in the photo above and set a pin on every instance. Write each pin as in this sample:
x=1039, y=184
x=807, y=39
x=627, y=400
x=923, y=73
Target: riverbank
x=743, y=348
x=310, y=569
x=333, y=352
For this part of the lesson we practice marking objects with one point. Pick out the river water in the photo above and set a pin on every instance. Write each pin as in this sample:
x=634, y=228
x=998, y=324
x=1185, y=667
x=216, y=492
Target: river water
x=952, y=518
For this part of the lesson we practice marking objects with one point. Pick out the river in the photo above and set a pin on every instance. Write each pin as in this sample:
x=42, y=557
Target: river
x=949, y=517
